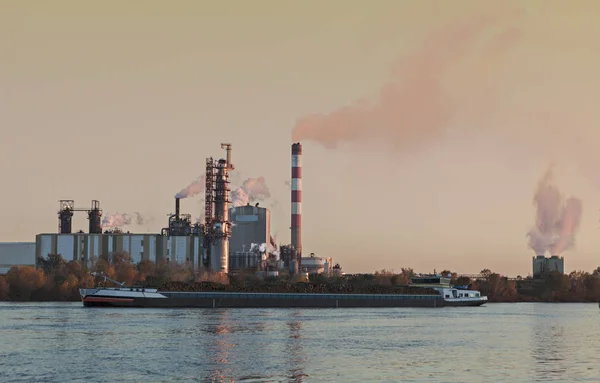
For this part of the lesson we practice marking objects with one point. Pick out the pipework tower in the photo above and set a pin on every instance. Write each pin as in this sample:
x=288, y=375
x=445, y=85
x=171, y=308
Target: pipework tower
x=65, y=217
x=216, y=212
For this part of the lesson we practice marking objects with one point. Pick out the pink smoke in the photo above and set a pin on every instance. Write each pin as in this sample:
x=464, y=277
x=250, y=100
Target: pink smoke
x=569, y=224
x=556, y=220
x=415, y=106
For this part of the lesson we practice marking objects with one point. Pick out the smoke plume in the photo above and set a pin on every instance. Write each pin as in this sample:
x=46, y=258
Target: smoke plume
x=116, y=220
x=417, y=104
x=141, y=220
x=124, y=219
x=557, y=219
x=265, y=248
x=194, y=188
x=252, y=190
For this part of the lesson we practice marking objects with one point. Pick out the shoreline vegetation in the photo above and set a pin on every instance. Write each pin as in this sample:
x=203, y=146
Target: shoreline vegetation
x=58, y=280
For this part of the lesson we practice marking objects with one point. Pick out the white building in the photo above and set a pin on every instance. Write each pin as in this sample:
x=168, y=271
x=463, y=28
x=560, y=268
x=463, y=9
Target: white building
x=16, y=254
x=89, y=247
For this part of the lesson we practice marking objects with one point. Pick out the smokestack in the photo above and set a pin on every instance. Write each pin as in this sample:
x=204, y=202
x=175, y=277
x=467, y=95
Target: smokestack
x=177, y=208
x=297, y=197
x=95, y=217
x=227, y=147
x=65, y=216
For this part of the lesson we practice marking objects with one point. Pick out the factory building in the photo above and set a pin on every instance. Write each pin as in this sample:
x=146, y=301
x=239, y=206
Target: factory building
x=543, y=265
x=87, y=247
x=251, y=225
x=16, y=254
x=236, y=238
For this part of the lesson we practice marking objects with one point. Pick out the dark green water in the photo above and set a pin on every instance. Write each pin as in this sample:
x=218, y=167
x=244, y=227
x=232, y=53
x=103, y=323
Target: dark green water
x=57, y=342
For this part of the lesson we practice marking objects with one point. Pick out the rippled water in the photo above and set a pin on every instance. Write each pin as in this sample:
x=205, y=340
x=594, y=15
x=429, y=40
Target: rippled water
x=59, y=342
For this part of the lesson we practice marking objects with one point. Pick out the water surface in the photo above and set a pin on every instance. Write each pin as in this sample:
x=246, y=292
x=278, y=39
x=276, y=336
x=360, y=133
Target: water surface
x=64, y=342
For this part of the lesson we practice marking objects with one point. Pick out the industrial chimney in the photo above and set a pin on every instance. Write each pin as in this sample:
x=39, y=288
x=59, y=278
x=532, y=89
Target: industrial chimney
x=296, y=226
x=177, y=208
x=95, y=215
x=65, y=216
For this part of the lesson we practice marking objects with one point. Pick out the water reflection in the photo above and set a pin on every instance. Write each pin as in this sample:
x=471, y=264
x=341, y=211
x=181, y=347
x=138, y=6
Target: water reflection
x=548, y=348
x=294, y=350
x=219, y=350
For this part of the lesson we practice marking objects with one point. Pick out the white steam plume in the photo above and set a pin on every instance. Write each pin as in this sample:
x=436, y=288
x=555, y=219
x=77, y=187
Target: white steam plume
x=116, y=220
x=124, y=219
x=194, y=188
x=252, y=190
x=265, y=248
x=141, y=220
x=557, y=219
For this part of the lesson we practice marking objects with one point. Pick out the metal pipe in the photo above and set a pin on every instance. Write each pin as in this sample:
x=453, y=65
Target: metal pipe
x=227, y=148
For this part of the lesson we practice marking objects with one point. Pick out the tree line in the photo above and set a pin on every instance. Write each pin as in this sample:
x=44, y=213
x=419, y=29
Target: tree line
x=55, y=279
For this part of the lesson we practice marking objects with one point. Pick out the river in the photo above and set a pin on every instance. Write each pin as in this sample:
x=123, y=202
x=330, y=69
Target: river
x=523, y=342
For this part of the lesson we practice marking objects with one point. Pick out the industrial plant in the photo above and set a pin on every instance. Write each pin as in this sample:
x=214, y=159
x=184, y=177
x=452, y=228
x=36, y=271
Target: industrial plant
x=543, y=265
x=228, y=239
x=556, y=223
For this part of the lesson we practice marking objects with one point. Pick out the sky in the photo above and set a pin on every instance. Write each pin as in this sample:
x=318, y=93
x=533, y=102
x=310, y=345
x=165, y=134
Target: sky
x=426, y=125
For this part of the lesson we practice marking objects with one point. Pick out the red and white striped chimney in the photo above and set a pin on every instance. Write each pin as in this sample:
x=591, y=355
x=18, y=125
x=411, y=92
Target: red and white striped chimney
x=297, y=197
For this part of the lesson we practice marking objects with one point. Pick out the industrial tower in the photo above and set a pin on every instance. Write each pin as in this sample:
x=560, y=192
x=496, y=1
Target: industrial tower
x=216, y=212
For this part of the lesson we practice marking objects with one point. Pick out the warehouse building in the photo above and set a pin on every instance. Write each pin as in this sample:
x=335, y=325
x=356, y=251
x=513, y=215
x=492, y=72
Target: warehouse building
x=87, y=248
x=16, y=254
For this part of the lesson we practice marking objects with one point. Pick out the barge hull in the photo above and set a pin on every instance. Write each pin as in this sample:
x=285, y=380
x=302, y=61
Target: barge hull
x=470, y=303
x=262, y=302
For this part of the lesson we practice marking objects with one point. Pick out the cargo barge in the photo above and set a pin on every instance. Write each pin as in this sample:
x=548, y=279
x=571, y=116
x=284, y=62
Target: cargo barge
x=153, y=298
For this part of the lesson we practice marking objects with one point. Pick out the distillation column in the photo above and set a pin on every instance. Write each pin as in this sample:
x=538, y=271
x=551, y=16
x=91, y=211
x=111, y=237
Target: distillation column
x=219, y=253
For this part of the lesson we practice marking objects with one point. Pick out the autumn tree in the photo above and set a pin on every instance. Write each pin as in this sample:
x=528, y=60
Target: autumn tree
x=24, y=283
x=51, y=263
x=404, y=278
x=463, y=281
x=3, y=288
x=125, y=271
x=145, y=268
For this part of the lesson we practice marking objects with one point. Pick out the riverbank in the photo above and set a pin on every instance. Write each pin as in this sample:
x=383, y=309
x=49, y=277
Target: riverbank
x=58, y=280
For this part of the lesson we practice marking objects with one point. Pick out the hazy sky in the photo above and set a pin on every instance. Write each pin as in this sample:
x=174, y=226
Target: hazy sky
x=448, y=114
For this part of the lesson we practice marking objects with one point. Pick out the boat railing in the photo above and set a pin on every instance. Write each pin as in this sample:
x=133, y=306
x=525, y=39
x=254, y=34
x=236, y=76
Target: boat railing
x=105, y=277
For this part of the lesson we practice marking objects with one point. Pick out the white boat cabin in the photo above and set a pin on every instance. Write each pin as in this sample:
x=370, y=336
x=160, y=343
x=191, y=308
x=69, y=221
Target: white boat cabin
x=442, y=285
